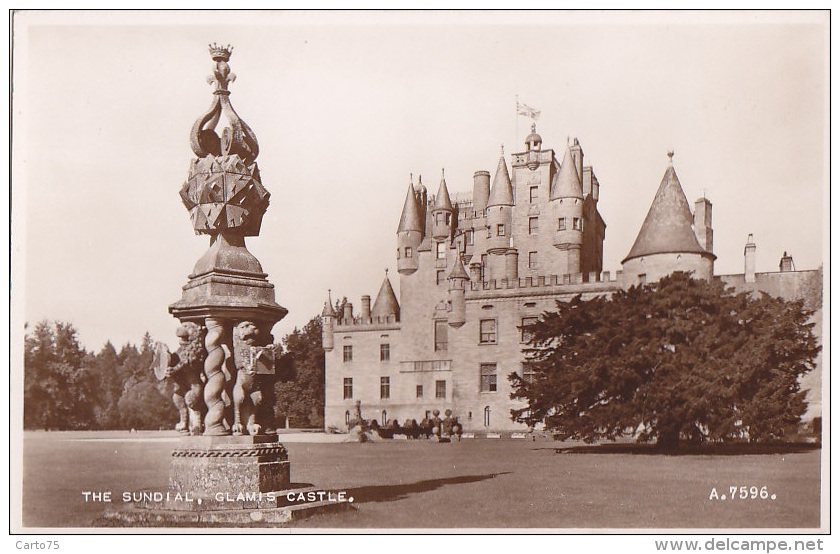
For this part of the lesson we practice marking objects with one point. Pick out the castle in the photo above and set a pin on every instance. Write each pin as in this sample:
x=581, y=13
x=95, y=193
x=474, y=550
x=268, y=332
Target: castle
x=475, y=270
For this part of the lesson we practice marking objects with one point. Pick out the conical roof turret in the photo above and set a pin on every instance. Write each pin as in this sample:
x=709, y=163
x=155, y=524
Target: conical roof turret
x=329, y=311
x=442, y=200
x=458, y=271
x=386, y=301
x=567, y=183
x=501, y=194
x=410, y=219
x=668, y=225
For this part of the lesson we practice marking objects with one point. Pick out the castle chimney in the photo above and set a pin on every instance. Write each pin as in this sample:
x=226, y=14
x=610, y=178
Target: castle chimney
x=365, y=307
x=749, y=260
x=481, y=190
x=786, y=263
x=348, y=311
x=703, y=223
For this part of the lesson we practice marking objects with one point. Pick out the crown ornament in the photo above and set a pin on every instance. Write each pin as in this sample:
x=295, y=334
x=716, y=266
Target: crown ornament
x=219, y=52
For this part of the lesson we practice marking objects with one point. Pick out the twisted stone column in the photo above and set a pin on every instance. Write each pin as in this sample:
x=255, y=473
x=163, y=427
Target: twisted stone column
x=215, y=385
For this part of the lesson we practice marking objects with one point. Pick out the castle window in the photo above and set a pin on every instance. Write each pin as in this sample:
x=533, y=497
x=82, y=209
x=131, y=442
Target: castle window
x=384, y=352
x=441, y=278
x=469, y=237
x=487, y=331
x=527, y=335
x=577, y=224
x=561, y=224
x=348, y=353
x=448, y=219
x=384, y=387
x=533, y=225
x=642, y=278
x=483, y=267
x=439, y=218
x=441, y=251
x=348, y=388
x=529, y=372
x=533, y=260
x=347, y=417
x=500, y=229
x=440, y=389
x=407, y=251
x=533, y=192
x=419, y=391
x=441, y=336
x=488, y=377
x=487, y=416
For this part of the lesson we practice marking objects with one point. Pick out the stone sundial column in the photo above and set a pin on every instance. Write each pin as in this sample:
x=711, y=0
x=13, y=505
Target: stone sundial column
x=227, y=289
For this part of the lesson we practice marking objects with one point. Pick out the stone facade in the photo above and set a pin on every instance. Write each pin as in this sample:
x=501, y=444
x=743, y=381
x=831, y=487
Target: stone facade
x=474, y=269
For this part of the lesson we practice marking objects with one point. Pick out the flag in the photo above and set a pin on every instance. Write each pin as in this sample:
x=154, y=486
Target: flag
x=527, y=111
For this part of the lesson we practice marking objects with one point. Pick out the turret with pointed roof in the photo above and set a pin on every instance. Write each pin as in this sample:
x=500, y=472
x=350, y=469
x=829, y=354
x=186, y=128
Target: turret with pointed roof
x=567, y=182
x=457, y=295
x=386, y=304
x=668, y=225
x=501, y=193
x=328, y=324
x=667, y=241
x=409, y=233
x=442, y=212
x=500, y=210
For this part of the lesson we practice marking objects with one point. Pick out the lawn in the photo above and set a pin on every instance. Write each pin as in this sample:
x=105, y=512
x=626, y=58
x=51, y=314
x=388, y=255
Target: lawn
x=471, y=484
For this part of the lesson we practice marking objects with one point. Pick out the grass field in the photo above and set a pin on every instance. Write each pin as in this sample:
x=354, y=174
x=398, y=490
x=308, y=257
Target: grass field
x=471, y=484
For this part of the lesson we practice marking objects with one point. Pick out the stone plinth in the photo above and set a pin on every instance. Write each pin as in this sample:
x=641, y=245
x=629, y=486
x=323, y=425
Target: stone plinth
x=228, y=465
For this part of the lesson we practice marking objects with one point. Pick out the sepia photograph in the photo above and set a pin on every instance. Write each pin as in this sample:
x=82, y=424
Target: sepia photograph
x=426, y=272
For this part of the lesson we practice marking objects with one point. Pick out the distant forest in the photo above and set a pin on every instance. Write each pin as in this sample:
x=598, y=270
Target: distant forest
x=68, y=388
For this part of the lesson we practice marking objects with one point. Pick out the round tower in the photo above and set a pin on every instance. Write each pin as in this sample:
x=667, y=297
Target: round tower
x=500, y=210
x=328, y=324
x=458, y=279
x=667, y=242
x=409, y=234
x=442, y=212
x=567, y=206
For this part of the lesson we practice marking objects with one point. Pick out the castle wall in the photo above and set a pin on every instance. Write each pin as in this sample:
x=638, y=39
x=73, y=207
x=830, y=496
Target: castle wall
x=365, y=369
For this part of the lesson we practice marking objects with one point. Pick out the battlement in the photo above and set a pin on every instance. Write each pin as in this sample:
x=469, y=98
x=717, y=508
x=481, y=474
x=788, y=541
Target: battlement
x=367, y=323
x=590, y=278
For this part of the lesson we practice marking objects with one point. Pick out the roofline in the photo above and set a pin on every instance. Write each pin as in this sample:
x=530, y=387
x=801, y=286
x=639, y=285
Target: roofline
x=704, y=254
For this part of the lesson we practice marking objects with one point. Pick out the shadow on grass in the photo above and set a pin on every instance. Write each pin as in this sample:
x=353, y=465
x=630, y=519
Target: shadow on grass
x=387, y=493
x=732, y=449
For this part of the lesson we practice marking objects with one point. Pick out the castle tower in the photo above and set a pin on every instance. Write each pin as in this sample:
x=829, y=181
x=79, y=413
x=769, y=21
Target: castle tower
x=567, y=206
x=457, y=281
x=499, y=221
x=386, y=306
x=666, y=241
x=409, y=234
x=442, y=212
x=328, y=324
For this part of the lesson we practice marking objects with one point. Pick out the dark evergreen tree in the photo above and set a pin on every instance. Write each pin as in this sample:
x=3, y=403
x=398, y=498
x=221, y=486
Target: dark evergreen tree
x=300, y=384
x=681, y=358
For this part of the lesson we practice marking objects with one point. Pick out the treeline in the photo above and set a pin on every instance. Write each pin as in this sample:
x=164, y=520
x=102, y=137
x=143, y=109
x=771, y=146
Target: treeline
x=68, y=388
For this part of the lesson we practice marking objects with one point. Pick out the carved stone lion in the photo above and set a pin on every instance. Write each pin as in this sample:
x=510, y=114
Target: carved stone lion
x=185, y=372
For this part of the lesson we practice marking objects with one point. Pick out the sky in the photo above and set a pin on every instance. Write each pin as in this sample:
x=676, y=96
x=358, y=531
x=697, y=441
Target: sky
x=346, y=105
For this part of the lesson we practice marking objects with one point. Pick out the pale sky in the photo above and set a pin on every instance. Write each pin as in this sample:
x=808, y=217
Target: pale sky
x=346, y=105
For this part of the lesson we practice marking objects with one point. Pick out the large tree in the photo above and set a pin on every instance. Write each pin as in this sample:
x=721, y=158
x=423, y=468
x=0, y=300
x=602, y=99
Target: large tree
x=300, y=386
x=681, y=358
